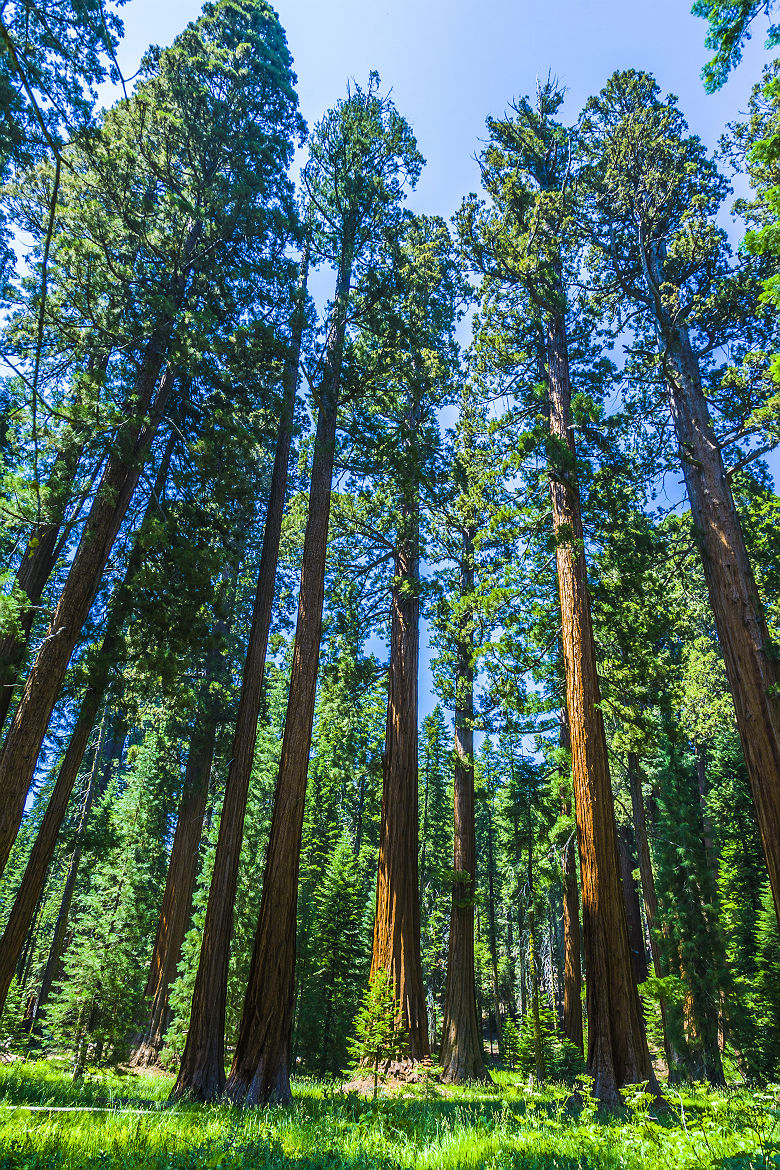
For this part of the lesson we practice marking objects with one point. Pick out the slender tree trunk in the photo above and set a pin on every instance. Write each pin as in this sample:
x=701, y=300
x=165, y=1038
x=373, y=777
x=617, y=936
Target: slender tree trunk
x=34, y=571
x=751, y=667
x=260, y=1073
x=649, y=896
x=461, y=1047
x=46, y=838
x=202, y=1071
x=631, y=903
x=617, y=1044
x=180, y=881
x=20, y=751
x=97, y=785
x=572, y=935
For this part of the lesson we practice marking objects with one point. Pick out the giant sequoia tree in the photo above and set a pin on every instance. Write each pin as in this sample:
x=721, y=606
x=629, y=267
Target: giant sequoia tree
x=362, y=156
x=654, y=196
x=530, y=245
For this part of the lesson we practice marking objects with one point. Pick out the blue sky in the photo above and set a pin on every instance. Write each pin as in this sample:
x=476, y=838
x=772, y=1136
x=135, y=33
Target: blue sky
x=451, y=63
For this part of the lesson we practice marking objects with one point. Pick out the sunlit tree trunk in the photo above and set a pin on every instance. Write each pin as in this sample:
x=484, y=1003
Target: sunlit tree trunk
x=202, y=1071
x=617, y=1044
x=751, y=666
x=396, y=947
x=260, y=1072
x=572, y=935
x=56, y=809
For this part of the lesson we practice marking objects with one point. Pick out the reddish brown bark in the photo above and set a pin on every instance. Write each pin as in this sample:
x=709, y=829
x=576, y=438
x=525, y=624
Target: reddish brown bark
x=396, y=947
x=145, y=409
x=46, y=838
x=28, y=727
x=202, y=1071
x=461, y=1045
x=572, y=935
x=751, y=666
x=35, y=569
x=180, y=882
x=617, y=1044
x=260, y=1073
x=631, y=903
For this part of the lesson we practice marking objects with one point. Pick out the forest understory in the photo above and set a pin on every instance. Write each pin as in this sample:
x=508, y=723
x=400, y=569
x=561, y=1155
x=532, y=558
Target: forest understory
x=120, y=1121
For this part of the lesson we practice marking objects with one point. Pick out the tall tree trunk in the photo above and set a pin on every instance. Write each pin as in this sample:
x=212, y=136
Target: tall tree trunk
x=751, y=667
x=260, y=1073
x=95, y=790
x=617, y=1044
x=572, y=935
x=202, y=1071
x=631, y=903
x=23, y=742
x=461, y=1046
x=649, y=897
x=35, y=569
x=180, y=881
x=146, y=407
x=46, y=838
x=396, y=946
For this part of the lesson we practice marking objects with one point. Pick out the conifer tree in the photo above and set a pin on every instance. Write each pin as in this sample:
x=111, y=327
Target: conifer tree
x=362, y=155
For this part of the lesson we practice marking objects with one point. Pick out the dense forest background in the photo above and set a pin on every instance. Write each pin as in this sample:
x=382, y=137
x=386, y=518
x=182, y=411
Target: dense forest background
x=226, y=839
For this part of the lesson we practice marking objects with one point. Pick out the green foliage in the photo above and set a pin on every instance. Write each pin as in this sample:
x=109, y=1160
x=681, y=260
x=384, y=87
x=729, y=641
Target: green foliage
x=378, y=1036
x=506, y=1127
x=511, y=1044
x=562, y=1061
x=106, y=963
x=729, y=28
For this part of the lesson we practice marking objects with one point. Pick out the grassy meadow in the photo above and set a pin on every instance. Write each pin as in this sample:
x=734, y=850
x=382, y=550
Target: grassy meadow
x=120, y=1121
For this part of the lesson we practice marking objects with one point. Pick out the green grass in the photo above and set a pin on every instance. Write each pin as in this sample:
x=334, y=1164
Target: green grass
x=504, y=1128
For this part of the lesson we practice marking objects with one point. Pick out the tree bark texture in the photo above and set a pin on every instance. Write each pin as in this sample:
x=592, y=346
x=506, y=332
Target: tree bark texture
x=617, y=1044
x=396, y=947
x=202, y=1071
x=751, y=667
x=23, y=742
x=461, y=1045
x=260, y=1073
x=34, y=571
x=572, y=934
x=46, y=838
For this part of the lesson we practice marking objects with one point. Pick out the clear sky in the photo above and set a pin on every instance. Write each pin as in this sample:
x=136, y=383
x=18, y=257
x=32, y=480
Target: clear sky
x=451, y=63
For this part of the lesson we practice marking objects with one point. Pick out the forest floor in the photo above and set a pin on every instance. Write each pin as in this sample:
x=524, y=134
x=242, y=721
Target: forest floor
x=113, y=1120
